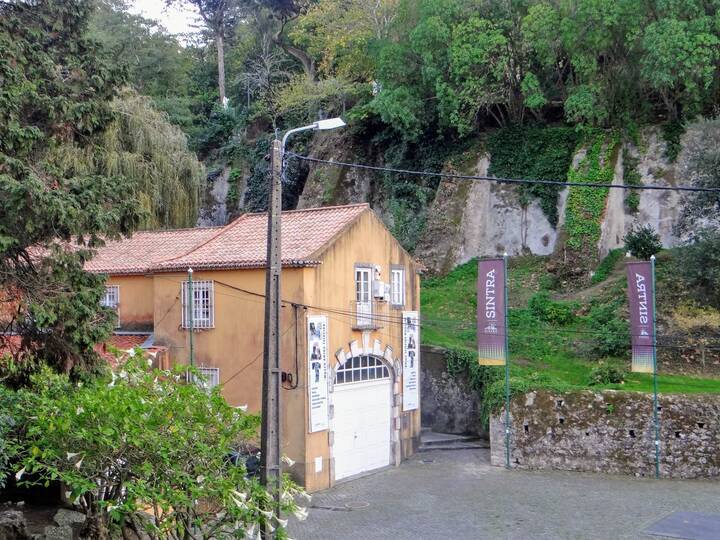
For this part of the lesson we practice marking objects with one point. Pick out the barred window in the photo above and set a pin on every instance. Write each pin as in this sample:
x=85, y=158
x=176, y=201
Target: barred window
x=397, y=287
x=208, y=377
x=203, y=304
x=111, y=299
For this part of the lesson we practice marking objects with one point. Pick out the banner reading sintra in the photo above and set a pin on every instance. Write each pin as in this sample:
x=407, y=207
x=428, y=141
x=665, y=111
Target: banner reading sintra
x=491, y=312
x=642, y=324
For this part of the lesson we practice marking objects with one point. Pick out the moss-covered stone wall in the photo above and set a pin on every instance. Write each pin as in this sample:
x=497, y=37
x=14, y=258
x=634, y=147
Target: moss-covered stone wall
x=611, y=432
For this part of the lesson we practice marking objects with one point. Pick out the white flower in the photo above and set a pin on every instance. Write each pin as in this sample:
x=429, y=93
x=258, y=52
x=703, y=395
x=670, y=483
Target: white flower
x=241, y=496
x=287, y=460
x=18, y=475
x=79, y=463
x=200, y=479
x=243, y=408
x=282, y=522
x=79, y=410
x=301, y=513
x=71, y=455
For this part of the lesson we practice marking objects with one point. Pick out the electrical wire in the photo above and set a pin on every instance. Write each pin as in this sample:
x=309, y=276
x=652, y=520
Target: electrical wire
x=347, y=316
x=500, y=180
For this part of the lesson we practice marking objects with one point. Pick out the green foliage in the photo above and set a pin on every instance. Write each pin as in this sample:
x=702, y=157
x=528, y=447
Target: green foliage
x=585, y=207
x=142, y=146
x=233, y=195
x=607, y=265
x=642, y=242
x=536, y=153
x=57, y=92
x=607, y=373
x=631, y=177
x=608, y=328
x=155, y=444
x=463, y=364
x=698, y=265
x=548, y=310
x=8, y=425
x=672, y=133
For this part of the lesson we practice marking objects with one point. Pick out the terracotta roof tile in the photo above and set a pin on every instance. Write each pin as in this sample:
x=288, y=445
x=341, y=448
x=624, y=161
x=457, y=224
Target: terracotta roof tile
x=240, y=244
x=243, y=243
x=135, y=255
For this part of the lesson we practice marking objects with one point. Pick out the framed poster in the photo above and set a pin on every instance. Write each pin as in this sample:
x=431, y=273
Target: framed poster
x=317, y=372
x=411, y=360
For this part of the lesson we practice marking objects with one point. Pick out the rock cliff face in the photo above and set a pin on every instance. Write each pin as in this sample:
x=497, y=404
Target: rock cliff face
x=486, y=219
x=467, y=219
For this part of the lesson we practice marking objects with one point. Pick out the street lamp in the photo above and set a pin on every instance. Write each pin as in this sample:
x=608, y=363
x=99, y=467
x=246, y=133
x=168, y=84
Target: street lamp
x=270, y=430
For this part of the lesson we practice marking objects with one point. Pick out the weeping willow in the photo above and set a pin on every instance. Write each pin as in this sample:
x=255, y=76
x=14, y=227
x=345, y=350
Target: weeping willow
x=142, y=145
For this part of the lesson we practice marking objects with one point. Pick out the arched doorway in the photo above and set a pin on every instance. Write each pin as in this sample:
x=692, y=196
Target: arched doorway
x=362, y=415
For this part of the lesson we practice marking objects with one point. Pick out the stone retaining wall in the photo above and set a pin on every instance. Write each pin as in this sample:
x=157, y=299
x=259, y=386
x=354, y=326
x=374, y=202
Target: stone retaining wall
x=611, y=432
x=448, y=404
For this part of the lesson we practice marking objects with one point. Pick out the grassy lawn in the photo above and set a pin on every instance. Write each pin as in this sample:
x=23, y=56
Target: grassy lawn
x=551, y=355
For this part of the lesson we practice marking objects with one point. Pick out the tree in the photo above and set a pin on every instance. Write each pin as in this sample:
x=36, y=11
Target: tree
x=57, y=89
x=643, y=242
x=220, y=17
x=286, y=12
x=141, y=145
x=146, y=451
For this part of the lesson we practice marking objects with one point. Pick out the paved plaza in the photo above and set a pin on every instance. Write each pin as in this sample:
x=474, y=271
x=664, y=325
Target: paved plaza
x=457, y=495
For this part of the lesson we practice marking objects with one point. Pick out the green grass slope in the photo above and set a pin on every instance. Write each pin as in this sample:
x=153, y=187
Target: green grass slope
x=556, y=339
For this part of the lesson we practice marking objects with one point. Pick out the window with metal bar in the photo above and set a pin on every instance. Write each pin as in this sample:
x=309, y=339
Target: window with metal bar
x=203, y=304
x=111, y=299
x=208, y=378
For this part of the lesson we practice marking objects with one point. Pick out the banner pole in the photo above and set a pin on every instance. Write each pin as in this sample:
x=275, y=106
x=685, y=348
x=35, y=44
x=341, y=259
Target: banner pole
x=655, y=382
x=507, y=368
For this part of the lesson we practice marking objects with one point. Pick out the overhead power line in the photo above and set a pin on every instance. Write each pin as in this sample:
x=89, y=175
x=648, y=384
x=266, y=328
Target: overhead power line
x=501, y=180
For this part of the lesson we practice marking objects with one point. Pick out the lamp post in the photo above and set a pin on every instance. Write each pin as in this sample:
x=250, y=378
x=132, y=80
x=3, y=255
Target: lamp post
x=270, y=430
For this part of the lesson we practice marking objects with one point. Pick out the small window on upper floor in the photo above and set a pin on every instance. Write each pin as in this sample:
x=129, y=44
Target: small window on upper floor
x=111, y=299
x=202, y=305
x=209, y=377
x=397, y=287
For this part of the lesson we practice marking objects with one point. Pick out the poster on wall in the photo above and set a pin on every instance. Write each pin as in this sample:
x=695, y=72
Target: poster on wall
x=642, y=328
x=411, y=360
x=317, y=372
x=491, y=312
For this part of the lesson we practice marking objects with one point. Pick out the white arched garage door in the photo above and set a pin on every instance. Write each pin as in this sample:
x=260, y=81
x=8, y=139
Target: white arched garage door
x=361, y=420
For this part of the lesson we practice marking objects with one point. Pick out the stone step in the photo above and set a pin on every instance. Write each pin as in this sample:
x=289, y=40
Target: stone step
x=479, y=444
x=431, y=438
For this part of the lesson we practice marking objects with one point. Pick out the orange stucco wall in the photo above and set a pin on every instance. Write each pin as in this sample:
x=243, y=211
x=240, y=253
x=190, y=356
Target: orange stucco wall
x=235, y=344
x=332, y=285
x=136, y=307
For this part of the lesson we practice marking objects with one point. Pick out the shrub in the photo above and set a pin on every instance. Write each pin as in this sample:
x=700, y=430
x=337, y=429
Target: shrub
x=8, y=446
x=548, y=310
x=612, y=333
x=147, y=441
x=607, y=265
x=643, y=242
x=607, y=373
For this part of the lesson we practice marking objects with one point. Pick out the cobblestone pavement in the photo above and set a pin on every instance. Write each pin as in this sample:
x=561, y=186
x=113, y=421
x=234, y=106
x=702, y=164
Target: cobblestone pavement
x=457, y=494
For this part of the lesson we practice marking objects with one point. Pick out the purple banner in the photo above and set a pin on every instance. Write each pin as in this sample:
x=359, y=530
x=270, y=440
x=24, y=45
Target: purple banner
x=491, y=312
x=642, y=328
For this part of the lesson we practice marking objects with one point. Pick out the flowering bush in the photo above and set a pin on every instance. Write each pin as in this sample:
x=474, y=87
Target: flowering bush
x=146, y=450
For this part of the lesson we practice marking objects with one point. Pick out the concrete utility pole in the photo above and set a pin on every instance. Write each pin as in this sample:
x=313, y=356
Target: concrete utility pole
x=270, y=429
x=270, y=433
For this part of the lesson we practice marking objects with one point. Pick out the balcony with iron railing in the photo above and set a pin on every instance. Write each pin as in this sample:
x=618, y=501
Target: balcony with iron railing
x=368, y=315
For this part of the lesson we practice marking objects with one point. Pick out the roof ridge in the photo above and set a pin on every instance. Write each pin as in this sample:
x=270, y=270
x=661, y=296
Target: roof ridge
x=314, y=208
x=222, y=230
x=158, y=231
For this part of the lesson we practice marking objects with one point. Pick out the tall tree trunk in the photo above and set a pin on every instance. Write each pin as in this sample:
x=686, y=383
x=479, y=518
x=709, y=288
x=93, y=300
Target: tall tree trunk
x=221, y=66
